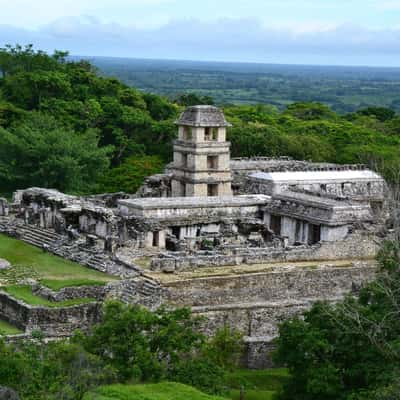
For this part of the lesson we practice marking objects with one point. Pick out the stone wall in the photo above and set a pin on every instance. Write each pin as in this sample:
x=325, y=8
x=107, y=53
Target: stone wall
x=276, y=285
x=256, y=303
x=70, y=293
x=362, y=245
x=52, y=322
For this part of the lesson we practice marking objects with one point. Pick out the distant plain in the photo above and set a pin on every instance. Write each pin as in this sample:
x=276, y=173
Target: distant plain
x=345, y=89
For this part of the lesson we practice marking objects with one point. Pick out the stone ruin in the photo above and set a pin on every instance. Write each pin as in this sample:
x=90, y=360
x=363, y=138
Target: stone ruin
x=222, y=236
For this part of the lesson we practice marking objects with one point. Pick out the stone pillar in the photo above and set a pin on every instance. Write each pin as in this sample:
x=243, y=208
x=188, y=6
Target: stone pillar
x=3, y=207
x=41, y=218
x=161, y=239
x=149, y=240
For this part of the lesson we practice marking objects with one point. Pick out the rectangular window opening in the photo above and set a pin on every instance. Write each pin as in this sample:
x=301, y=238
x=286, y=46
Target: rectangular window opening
x=212, y=162
x=184, y=160
x=207, y=134
x=212, y=190
x=187, y=133
x=314, y=234
x=156, y=239
x=275, y=224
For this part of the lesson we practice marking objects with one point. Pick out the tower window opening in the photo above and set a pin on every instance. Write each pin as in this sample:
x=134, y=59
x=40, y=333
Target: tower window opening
x=187, y=133
x=184, y=160
x=212, y=162
x=212, y=190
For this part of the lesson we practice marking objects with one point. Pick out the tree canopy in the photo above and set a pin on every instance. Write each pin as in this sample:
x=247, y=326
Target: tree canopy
x=348, y=351
x=48, y=103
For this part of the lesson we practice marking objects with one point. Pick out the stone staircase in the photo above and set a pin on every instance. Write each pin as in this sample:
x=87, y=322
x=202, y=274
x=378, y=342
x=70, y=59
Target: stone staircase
x=4, y=224
x=39, y=237
x=143, y=291
x=72, y=250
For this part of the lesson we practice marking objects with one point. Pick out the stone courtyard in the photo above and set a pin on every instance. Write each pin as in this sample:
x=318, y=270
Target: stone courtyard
x=245, y=242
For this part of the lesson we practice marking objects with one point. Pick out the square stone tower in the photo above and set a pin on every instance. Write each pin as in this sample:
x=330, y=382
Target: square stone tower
x=201, y=164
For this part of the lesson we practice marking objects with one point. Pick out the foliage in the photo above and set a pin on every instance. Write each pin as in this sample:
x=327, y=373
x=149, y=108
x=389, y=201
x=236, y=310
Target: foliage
x=225, y=348
x=200, y=372
x=130, y=174
x=49, y=103
x=140, y=344
x=64, y=126
x=193, y=99
x=349, y=351
x=380, y=113
x=52, y=155
x=164, y=344
x=53, y=371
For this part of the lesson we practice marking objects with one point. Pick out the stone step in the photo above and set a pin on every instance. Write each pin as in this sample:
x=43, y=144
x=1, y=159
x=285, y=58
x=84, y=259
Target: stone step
x=41, y=232
x=33, y=242
x=38, y=236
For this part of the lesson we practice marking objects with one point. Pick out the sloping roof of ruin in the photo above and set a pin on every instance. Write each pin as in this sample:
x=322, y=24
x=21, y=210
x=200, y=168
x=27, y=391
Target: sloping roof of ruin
x=320, y=176
x=319, y=209
x=194, y=202
x=203, y=116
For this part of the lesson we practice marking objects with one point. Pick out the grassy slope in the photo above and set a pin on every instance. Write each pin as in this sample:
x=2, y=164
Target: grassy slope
x=24, y=293
x=160, y=391
x=257, y=385
x=7, y=329
x=29, y=261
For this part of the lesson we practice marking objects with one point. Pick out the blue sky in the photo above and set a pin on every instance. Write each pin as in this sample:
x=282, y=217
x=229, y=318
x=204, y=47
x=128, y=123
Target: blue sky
x=345, y=32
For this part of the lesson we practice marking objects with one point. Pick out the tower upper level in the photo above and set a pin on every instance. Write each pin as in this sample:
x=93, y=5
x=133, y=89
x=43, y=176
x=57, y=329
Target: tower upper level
x=199, y=124
x=201, y=154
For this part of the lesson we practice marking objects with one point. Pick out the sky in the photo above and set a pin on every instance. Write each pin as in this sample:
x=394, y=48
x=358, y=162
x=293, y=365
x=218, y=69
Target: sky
x=322, y=32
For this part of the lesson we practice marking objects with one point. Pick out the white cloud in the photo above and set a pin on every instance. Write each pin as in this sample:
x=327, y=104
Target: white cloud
x=389, y=5
x=222, y=39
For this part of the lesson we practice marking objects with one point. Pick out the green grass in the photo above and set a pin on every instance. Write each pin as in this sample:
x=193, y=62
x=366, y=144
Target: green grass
x=159, y=391
x=24, y=293
x=57, y=284
x=31, y=262
x=7, y=329
x=258, y=385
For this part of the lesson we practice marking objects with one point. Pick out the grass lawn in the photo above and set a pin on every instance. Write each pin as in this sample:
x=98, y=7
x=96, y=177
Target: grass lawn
x=7, y=329
x=57, y=284
x=258, y=385
x=159, y=391
x=24, y=293
x=31, y=262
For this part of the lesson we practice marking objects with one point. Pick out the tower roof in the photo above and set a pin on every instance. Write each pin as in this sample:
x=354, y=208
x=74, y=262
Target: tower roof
x=203, y=116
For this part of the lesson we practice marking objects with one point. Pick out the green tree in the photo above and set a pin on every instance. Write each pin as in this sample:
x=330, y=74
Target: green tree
x=140, y=344
x=129, y=176
x=349, y=351
x=380, y=113
x=193, y=99
x=41, y=152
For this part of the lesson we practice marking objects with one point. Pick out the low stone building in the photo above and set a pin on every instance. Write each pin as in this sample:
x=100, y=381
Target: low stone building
x=244, y=241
